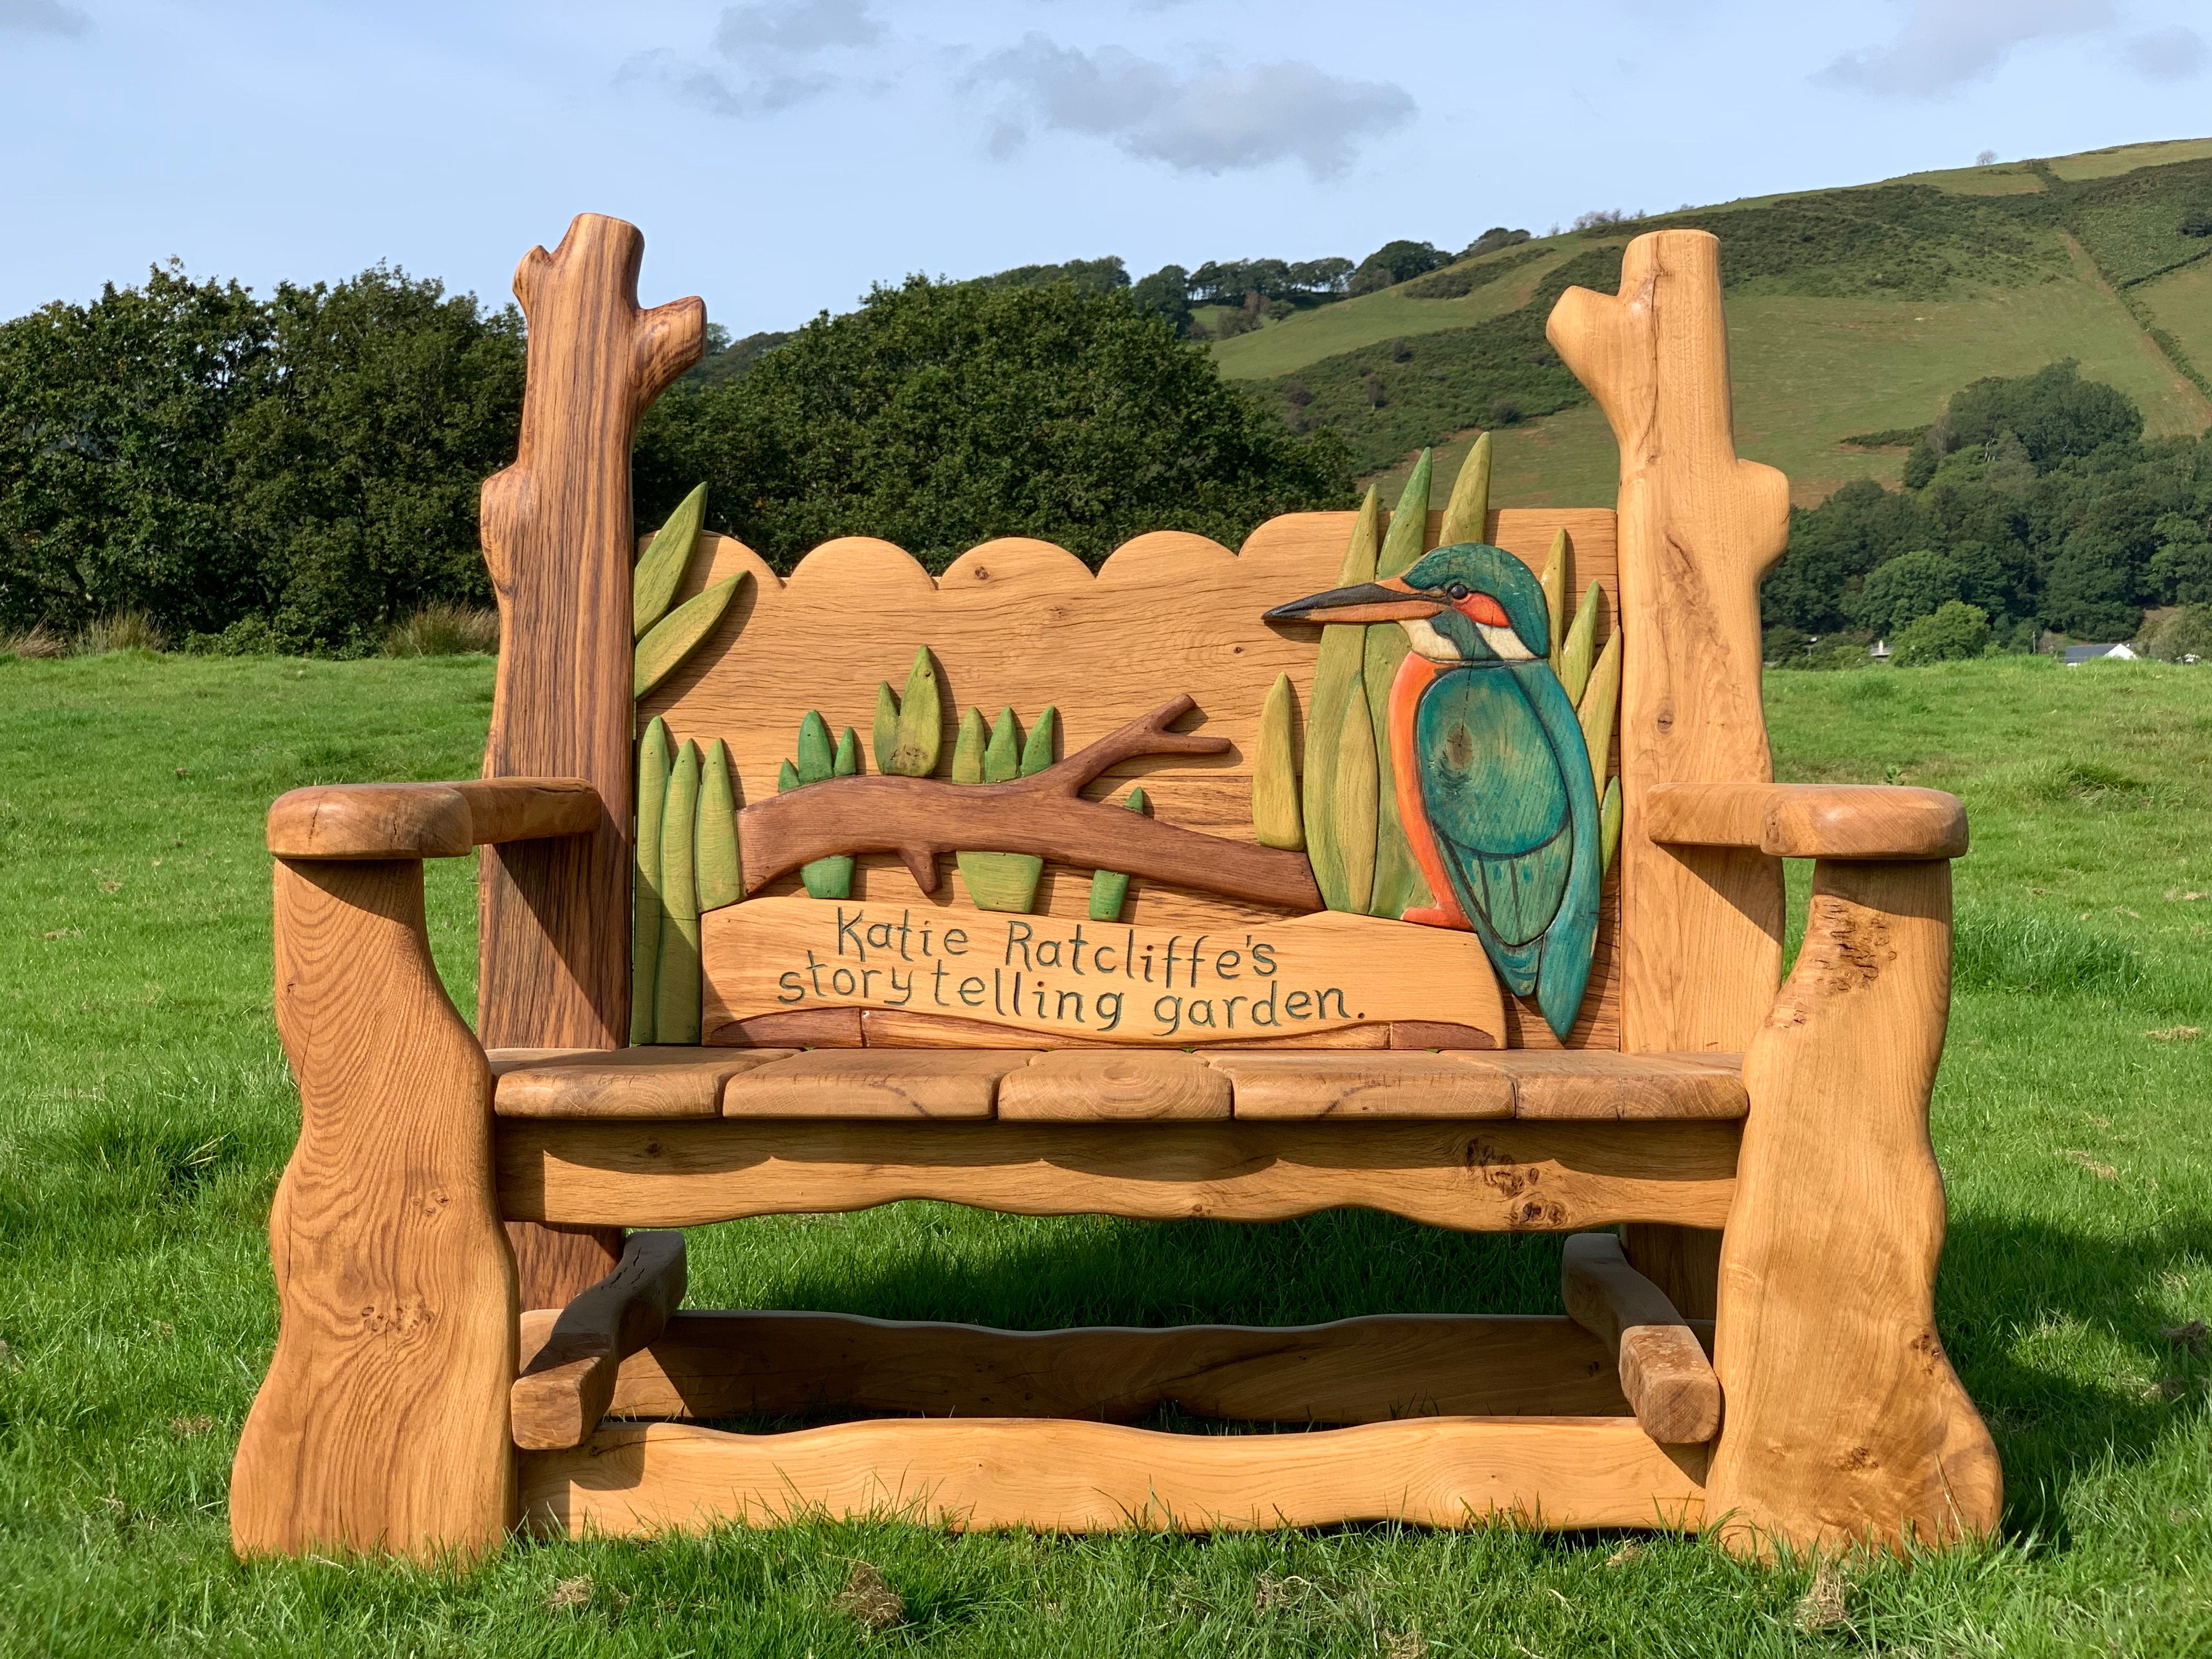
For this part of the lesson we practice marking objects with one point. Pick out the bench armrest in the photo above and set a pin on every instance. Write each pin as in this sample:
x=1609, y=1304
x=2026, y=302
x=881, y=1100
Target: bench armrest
x=1809, y=820
x=427, y=820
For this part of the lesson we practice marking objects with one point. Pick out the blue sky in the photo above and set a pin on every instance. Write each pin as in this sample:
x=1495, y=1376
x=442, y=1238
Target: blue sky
x=782, y=155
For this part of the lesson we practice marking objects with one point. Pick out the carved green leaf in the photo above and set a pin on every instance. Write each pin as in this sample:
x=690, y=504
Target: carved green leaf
x=1109, y=888
x=1467, y=515
x=847, y=761
x=1609, y=823
x=719, y=880
x=676, y=1002
x=1397, y=881
x=920, y=720
x=1556, y=583
x=1276, y=819
x=659, y=572
x=816, y=759
x=1574, y=663
x=1002, y=761
x=676, y=634
x=883, y=737
x=968, y=749
x=1336, y=670
x=1036, y=753
x=652, y=765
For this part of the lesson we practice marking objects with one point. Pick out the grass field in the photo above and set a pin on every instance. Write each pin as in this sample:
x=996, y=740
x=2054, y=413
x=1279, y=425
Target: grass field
x=1830, y=345
x=144, y=1114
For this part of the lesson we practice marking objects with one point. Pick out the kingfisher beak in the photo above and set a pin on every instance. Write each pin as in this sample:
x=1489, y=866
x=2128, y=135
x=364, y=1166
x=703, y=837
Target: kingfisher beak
x=1388, y=600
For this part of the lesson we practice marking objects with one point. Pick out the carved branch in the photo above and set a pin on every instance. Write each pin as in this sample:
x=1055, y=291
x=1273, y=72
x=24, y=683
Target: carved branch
x=1043, y=814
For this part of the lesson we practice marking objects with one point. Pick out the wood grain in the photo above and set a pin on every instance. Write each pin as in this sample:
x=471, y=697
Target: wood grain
x=1699, y=528
x=1490, y=1177
x=1624, y=1087
x=1093, y=1477
x=1846, y=1421
x=382, y=1422
x=1050, y=979
x=553, y=1265
x=824, y=1028
x=1355, y=1370
x=1700, y=927
x=557, y=537
x=426, y=820
x=788, y=646
x=1663, y=1371
x=1113, y=1088
x=1385, y=1084
x=1811, y=820
x=571, y=1355
x=858, y=1084
x=655, y=1081
x=891, y=1029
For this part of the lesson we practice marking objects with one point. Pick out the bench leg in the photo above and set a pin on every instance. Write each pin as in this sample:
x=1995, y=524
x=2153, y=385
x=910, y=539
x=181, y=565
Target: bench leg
x=1843, y=1419
x=383, y=1423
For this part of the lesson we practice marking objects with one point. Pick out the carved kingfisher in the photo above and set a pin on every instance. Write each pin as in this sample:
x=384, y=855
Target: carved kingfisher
x=1493, y=777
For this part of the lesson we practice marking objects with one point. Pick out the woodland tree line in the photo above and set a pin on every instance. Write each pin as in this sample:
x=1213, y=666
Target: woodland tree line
x=299, y=471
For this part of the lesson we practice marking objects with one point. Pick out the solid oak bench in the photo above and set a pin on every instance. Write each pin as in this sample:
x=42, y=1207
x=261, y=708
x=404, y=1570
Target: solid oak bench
x=1425, y=861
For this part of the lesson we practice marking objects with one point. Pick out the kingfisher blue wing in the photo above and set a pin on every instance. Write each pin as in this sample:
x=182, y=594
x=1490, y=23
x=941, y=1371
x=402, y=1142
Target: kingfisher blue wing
x=1506, y=788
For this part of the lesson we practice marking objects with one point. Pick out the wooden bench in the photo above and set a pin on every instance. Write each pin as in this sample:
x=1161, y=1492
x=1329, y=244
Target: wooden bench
x=1431, y=866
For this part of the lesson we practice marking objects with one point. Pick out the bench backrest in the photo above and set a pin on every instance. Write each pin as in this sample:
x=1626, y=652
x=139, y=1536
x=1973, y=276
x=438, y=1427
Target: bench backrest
x=1213, y=937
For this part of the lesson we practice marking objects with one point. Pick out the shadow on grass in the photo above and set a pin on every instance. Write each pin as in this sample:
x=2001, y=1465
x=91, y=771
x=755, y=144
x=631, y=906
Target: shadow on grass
x=2054, y=1333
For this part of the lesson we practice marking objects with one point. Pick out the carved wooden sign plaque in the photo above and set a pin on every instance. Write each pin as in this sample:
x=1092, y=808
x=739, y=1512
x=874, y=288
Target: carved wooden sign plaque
x=1102, y=980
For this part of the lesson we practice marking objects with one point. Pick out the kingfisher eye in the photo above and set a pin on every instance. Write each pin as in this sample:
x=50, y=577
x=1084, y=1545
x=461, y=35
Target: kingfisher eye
x=1457, y=592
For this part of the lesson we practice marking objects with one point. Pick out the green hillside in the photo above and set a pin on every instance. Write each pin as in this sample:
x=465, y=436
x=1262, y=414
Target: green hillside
x=1850, y=312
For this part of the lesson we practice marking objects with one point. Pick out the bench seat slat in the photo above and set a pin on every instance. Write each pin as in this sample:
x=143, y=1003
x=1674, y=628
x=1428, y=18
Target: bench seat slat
x=1092, y=1085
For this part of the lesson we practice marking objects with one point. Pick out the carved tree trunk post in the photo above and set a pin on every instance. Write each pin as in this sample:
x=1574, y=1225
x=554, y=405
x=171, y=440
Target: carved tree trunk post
x=1843, y=1419
x=1701, y=927
x=382, y=1423
x=559, y=538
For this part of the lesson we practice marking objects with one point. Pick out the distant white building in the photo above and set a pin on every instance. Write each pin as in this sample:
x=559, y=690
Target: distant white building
x=2078, y=654
x=1879, y=651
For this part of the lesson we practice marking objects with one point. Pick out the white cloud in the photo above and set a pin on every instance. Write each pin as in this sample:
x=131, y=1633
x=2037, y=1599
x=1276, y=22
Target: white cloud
x=773, y=50
x=2174, y=54
x=1210, y=120
x=43, y=17
x=1946, y=43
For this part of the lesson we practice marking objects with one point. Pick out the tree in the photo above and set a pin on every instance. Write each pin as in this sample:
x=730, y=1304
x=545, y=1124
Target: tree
x=2054, y=413
x=938, y=415
x=1903, y=590
x=1106, y=275
x=2182, y=567
x=114, y=475
x=303, y=469
x=1166, y=294
x=1858, y=527
x=354, y=475
x=1394, y=263
x=1954, y=630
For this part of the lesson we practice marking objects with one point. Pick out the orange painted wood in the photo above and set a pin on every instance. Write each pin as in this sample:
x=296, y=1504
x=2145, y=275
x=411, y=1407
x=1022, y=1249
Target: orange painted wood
x=1089, y=1087
x=864, y=1084
x=1059, y=1476
x=426, y=820
x=1811, y=820
x=1846, y=1421
x=1353, y=1370
x=652, y=1081
x=1662, y=1367
x=557, y=537
x=382, y=1422
x=571, y=1355
x=1490, y=1176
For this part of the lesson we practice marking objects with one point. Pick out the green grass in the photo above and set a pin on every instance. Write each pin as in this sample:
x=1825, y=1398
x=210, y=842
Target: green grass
x=1848, y=311
x=144, y=1114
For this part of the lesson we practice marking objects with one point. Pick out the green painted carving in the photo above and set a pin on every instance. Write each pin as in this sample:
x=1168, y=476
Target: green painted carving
x=968, y=749
x=1609, y=823
x=1396, y=881
x=719, y=863
x=1343, y=649
x=1574, y=658
x=1357, y=778
x=1467, y=515
x=659, y=571
x=1599, y=700
x=1109, y=888
x=1003, y=881
x=1276, y=819
x=652, y=764
x=1557, y=581
x=676, y=634
x=676, y=1001
x=820, y=760
x=909, y=730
